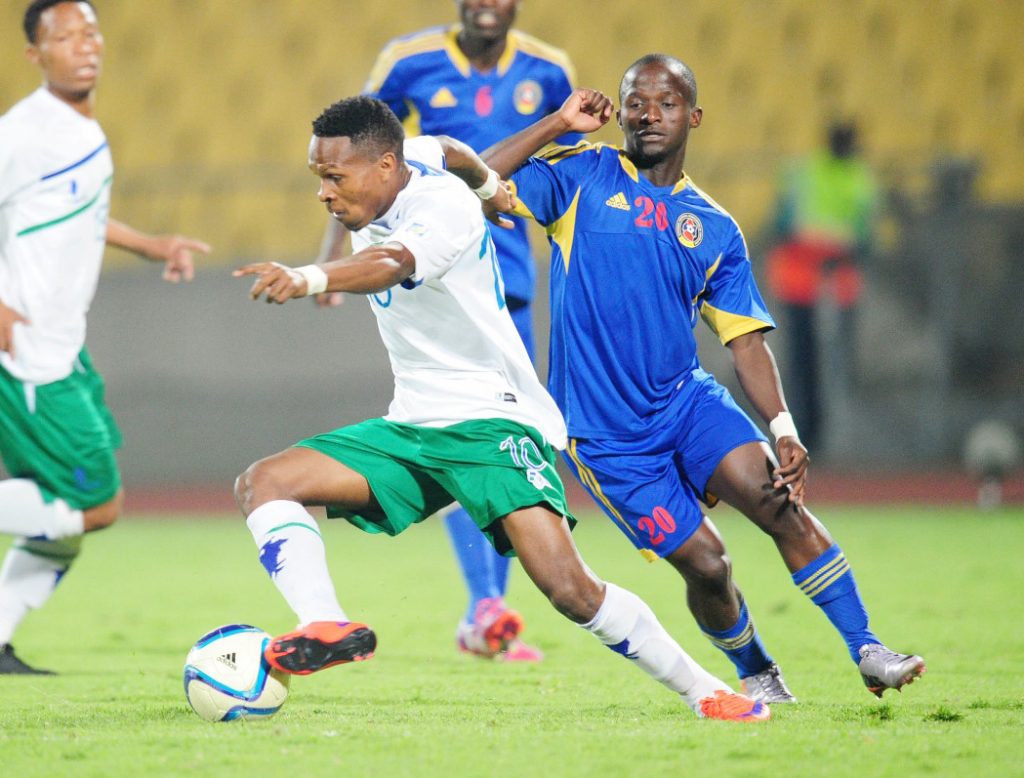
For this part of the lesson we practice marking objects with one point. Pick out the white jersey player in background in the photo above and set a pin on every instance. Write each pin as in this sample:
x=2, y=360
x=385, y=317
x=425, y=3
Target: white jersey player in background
x=470, y=421
x=57, y=438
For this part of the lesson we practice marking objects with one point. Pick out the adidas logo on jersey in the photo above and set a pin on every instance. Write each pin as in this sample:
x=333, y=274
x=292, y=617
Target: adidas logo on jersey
x=443, y=98
x=618, y=201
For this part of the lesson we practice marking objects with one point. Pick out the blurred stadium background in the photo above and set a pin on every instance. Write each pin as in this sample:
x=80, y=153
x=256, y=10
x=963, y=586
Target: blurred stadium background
x=207, y=105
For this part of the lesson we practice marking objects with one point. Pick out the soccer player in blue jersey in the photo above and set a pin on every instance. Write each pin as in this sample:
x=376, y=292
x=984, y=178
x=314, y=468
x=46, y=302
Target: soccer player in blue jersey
x=477, y=81
x=638, y=251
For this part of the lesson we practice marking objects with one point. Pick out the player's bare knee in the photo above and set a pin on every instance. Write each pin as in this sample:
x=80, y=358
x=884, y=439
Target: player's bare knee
x=246, y=487
x=241, y=490
x=577, y=599
x=782, y=519
x=710, y=572
x=102, y=516
x=262, y=482
x=771, y=510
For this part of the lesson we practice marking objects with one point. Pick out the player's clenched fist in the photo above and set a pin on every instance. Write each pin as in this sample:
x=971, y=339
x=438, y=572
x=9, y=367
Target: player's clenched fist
x=586, y=110
x=278, y=283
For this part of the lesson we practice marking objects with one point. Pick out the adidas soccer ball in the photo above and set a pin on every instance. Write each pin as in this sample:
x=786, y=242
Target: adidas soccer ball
x=227, y=678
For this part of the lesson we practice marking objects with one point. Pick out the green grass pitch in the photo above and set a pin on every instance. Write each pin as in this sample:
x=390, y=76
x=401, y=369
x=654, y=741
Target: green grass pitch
x=944, y=582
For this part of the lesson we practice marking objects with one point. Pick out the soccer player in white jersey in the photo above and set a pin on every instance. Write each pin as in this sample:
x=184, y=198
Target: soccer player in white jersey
x=57, y=437
x=469, y=421
x=478, y=80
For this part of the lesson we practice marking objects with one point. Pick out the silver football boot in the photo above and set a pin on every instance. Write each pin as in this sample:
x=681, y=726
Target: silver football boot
x=767, y=686
x=883, y=669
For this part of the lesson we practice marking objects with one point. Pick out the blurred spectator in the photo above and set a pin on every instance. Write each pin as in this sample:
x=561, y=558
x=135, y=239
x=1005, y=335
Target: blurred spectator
x=824, y=219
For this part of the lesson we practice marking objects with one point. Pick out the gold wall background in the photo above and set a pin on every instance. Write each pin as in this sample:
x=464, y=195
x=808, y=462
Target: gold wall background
x=207, y=103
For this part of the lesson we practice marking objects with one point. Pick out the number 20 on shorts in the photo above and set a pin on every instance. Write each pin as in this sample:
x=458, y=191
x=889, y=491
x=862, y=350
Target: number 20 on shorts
x=656, y=525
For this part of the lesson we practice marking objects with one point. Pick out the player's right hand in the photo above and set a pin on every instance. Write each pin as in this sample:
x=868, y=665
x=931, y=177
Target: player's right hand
x=8, y=318
x=503, y=201
x=278, y=283
x=586, y=110
x=792, y=469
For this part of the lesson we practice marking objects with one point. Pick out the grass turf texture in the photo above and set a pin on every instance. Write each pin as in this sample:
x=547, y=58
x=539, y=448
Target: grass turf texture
x=943, y=582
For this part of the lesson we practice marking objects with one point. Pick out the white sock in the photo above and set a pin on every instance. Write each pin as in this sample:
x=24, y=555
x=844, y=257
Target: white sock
x=30, y=573
x=292, y=552
x=23, y=511
x=629, y=627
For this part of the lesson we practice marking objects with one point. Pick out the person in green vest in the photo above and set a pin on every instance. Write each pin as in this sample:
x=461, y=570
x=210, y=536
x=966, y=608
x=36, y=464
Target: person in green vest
x=824, y=220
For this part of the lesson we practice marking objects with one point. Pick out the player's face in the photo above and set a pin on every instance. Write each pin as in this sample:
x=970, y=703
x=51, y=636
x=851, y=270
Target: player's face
x=656, y=116
x=69, y=49
x=487, y=19
x=355, y=187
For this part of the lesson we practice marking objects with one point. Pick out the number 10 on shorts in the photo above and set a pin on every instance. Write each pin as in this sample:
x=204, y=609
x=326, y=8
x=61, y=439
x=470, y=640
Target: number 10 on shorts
x=527, y=456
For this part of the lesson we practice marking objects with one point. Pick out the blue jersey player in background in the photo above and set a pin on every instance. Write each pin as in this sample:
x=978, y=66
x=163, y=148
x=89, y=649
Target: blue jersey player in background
x=477, y=81
x=638, y=251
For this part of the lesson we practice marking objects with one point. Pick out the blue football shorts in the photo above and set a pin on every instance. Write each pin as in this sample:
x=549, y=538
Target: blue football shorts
x=651, y=487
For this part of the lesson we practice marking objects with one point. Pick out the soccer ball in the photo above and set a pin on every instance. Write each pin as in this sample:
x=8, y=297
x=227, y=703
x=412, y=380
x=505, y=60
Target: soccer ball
x=227, y=678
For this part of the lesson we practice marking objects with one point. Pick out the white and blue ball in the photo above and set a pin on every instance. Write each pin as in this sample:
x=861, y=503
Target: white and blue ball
x=227, y=678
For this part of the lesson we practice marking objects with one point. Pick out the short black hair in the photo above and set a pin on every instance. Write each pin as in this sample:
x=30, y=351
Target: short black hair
x=842, y=138
x=35, y=9
x=366, y=121
x=677, y=66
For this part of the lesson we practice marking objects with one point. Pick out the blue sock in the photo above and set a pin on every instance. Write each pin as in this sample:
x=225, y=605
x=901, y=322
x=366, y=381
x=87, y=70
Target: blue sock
x=501, y=567
x=484, y=569
x=828, y=581
x=742, y=645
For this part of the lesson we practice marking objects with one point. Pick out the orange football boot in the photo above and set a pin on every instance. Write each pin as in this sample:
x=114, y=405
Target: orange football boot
x=728, y=706
x=319, y=645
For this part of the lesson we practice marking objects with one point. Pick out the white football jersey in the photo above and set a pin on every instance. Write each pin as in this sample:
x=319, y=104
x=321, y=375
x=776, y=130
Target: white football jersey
x=454, y=350
x=55, y=176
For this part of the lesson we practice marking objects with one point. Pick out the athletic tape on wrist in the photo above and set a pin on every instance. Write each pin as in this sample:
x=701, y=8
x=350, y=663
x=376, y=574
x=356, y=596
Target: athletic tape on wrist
x=782, y=426
x=489, y=188
x=316, y=278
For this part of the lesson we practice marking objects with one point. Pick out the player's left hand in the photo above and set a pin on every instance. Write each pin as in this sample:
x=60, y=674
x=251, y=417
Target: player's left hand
x=279, y=283
x=503, y=201
x=175, y=251
x=792, y=469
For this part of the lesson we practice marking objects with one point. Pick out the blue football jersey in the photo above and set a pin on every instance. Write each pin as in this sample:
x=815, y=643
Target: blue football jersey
x=429, y=83
x=632, y=266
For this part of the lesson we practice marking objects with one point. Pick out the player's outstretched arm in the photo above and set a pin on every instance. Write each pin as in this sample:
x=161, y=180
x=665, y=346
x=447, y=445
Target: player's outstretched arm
x=759, y=376
x=175, y=251
x=8, y=318
x=332, y=247
x=371, y=270
x=585, y=110
x=462, y=161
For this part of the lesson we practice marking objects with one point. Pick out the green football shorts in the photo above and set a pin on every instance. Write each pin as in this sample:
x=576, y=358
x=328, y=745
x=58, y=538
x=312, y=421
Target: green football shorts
x=492, y=466
x=61, y=435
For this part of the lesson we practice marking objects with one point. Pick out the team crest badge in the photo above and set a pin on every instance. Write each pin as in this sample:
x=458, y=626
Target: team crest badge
x=527, y=97
x=689, y=230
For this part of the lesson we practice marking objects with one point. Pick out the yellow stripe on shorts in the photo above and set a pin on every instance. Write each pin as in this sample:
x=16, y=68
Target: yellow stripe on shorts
x=590, y=481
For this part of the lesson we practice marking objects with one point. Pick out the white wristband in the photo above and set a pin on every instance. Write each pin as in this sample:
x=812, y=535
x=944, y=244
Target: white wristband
x=782, y=426
x=316, y=278
x=489, y=188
